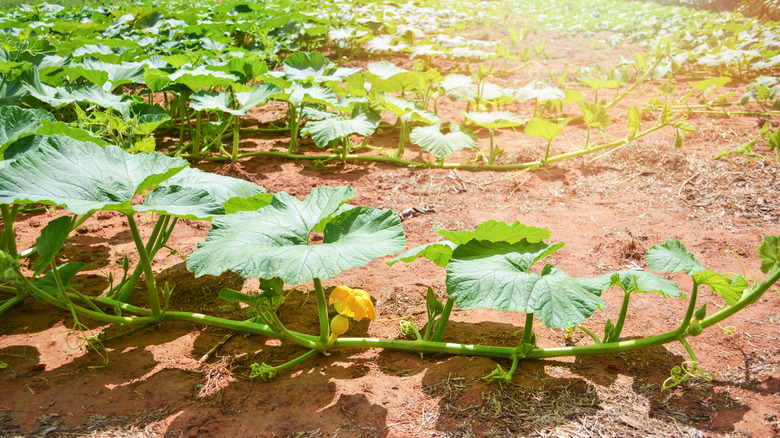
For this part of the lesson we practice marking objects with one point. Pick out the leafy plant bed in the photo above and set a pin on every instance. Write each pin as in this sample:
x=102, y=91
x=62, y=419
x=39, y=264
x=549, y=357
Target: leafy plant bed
x=193, y=377
x=398, y=297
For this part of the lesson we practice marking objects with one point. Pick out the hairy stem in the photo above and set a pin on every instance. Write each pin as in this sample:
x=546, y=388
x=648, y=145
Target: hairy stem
x=145, y=262
x=322, y=310
x=528, y=329
x=443, y=320
x=8, y=238
x=622, y=317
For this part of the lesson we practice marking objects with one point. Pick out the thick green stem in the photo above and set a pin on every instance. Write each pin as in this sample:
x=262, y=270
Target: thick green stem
x=622, y=317
x=408, y=163
x=618, y=347
x=8, y=238
x=528, y=329
x=13, y=301
x=182, y=122
x=402, y=139
x=493, y=151
x=63, y=292
x=322, y=310
x=748, y=298
x=587, y=138
x=288, y=335
x=294, y=127
x=639, y=80
x=590, y=333
x=99, y=316
x=8, y=290
x=236, y=138
x=418, y=346
x=443, y=320
x=309, y=354
x=261, y=130
x=145, y=262
x=155, y=242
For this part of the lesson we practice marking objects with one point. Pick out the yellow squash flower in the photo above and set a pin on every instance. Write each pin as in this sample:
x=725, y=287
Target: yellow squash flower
x=354, y=303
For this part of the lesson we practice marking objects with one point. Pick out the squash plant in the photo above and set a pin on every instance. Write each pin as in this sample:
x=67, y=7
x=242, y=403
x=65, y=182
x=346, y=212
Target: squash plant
x=255, y=234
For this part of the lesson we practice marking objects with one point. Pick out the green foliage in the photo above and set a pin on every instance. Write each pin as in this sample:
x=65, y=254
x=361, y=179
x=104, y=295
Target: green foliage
x=275, y=240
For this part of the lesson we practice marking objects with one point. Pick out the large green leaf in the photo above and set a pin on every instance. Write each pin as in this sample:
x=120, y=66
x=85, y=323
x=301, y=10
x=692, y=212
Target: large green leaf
x=62, y=128
x=495, y=119
x=496, y=275
x=48, y=283
x=201, y=77
x=440, y=144
x=595, y=115
x=644, y=282
x=314, y=67
x=15, y=122
x=495, y=231
x=540, y=91
x=194, y=194
x=672, y=257
x=59, y=96
x=256, y=96
x=387, y=77
x=492, y=231
x=730, y=289
x=458, y=87
x=407, y=110
x=150, y=117
x=362, y=122
x=50, y=242
x=542, y=128
x=437, y=252
x=298, y=93
x=769, y=252
x=274, y=240
x=83, y=177
x=207, y=101
x=118, y=74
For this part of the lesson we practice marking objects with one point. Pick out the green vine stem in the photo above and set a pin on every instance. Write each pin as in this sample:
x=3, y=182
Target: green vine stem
x=417, y=346
x=266, y=372
x=402, y=139
x=282, y=332
x=125, y=288
x=8, y=290
x=687, y=370
x=8, y=238
x=294, y=127
x=64, y=293
x=622, y=317
x=443, y=320
x=428, y=164
x=11, y=302
x=590, y=333
x=528, y=329
x=322, y=311
x=493, y=148
x=145, y=262
x=157, y=240
x=236, y=137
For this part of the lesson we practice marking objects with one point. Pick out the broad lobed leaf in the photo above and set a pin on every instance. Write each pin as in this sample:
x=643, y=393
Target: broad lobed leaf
x=274, y=241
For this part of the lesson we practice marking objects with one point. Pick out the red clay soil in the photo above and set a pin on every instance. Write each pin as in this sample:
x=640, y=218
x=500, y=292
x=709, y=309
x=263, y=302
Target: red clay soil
x=608, y=208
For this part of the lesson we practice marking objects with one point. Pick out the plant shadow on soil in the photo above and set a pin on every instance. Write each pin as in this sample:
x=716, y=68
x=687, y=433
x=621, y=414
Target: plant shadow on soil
x=217, y=396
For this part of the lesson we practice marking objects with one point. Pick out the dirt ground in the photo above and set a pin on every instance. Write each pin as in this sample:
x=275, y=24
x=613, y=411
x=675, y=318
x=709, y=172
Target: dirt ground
x=608, y=208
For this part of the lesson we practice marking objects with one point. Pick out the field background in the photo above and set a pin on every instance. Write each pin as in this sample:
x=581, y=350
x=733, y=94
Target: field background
x=181, y=379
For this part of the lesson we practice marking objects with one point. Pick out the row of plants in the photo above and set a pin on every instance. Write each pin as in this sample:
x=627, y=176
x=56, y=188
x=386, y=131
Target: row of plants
x=270, y=237
x=129, y=75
